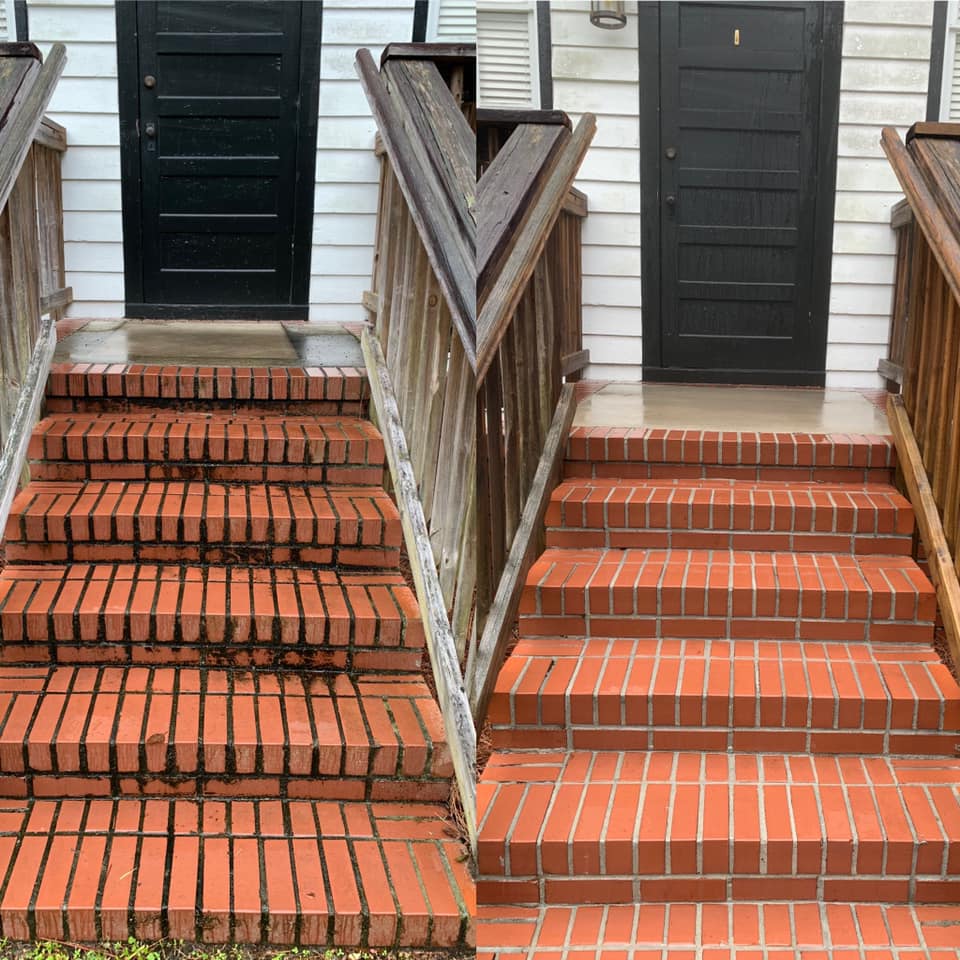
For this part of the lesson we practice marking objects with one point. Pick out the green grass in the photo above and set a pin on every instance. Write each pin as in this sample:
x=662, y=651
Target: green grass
x=178, y=950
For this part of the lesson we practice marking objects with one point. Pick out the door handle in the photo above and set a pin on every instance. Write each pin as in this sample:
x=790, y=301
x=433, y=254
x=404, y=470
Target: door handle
x=670, y=200
x=150, y=130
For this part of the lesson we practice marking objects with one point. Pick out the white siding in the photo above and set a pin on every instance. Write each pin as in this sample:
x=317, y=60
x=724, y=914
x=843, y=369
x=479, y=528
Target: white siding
x=886, y=48
x=598, y=71
x=883, y=81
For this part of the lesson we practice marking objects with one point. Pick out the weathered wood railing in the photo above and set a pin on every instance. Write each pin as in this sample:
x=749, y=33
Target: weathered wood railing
x=528, y=343
x=421, y=356
x=925, y=349
x=32, y=291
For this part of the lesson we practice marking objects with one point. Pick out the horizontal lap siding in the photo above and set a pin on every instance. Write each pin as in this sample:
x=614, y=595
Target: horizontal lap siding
x=883, y=81
x=597, y=71
x=345, y=200
x=85, y=102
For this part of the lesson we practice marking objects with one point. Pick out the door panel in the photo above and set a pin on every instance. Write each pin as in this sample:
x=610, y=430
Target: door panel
x=739, y=157
x=222, y=122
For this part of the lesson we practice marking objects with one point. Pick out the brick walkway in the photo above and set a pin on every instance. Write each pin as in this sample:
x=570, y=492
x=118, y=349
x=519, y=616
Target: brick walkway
x=724, y=731
x=213, y=724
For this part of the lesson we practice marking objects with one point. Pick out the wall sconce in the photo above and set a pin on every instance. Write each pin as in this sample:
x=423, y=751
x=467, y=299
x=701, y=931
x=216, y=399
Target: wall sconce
x=608, y=14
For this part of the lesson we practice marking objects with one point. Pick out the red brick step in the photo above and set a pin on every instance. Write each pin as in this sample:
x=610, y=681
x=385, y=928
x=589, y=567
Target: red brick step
x=730, y=515
x=744, y=695
x=628, y=827
x=113, y=731
x=241, y=616
x=728, y=931
x=720, y=593
x=269, y=871
x=216, y=446
x=172, y=521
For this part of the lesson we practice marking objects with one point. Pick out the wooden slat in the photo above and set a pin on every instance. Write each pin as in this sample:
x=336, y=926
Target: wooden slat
x=370, y=302
x=442, y=217
x=528, y=243
x=483, y=669
x=574, y=362
x=942, y=570
x=461, y=734
x=901, y=214
x=886, y=368
x=51, y=135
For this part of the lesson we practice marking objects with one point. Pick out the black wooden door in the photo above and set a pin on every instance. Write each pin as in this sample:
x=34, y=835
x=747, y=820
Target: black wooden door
x=745, y=147
x=219, y=108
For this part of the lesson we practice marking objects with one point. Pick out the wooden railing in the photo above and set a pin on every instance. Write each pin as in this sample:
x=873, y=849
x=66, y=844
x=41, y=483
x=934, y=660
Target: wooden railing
x=32, y=290
x=421, y=355
x=925, y=348
x=528, y=344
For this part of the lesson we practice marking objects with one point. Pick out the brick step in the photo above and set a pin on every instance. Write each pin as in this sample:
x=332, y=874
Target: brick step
x=743, y=695
x=727, y=931
x=123, y=386
x=214, y=616
x=173, y=521
x=611, y=827
x=269, y=871
x=726, y=593
x=645, y=453
x=214, y=446
x=71, y=732
x=730, y=515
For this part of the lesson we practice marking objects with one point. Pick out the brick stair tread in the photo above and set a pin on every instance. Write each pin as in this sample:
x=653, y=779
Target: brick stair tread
x=726, y=593
x=726, y=694
x=626, y=827
x=267, y=871
x=155, y=444
x=729, y=448
x=114, y=613
x=745, y=514
x=172, y=520
x=728, y=930
x=100, y=731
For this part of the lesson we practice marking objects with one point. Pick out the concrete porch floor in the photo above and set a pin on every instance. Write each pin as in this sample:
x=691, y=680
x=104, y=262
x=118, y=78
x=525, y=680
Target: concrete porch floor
x=257, y=343
x=712, y=407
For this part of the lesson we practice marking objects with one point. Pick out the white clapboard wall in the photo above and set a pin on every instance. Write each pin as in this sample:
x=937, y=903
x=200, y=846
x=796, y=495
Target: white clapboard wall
x=347, y=172
x=886, y=51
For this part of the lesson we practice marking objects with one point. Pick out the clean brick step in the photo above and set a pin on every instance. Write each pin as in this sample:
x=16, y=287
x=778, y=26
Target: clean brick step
x=733, y=594
x=106, y=732
x=730, y=514
x=727, y=931
x=269, y=871
x=744, y=695
x=173, y=521
x=326, y=391
x=645, y=453
x=214, y=616
x=216, y=446
x=611, y=827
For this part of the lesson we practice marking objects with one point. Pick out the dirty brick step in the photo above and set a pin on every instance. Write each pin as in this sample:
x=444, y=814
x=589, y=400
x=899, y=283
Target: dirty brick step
x=852, y=931
x=216, y=446
x=171, y=521
x=243, y=616
x=721, y=593
x=326, y=391
x=730, y=514
x=744, y=695
x=101, y=732
x=632, y=827
x=642, y=452
x=279, y=872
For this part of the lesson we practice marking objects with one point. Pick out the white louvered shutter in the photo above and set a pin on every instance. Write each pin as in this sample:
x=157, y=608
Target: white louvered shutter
x=507, y=66
x=450, y=21
x=950, y=89
x=4, y=28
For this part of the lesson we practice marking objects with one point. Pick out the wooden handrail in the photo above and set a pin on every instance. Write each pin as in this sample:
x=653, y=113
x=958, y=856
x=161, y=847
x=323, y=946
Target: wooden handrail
x=431, y=150
x=31, y=250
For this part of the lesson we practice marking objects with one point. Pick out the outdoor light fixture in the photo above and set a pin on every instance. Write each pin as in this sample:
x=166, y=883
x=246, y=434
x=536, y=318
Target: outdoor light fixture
x=608, y=14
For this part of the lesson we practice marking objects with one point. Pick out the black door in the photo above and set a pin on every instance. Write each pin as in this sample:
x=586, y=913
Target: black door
x=738, y=190
x=218, y=130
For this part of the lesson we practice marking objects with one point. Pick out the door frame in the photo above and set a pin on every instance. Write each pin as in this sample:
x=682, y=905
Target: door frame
x=650, y=205
x=128, y=91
